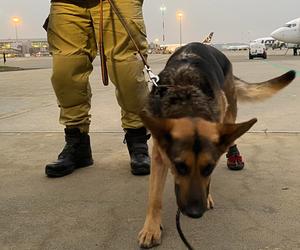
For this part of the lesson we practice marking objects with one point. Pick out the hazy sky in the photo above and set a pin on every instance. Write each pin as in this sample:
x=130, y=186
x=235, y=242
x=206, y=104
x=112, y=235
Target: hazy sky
x=231, y=20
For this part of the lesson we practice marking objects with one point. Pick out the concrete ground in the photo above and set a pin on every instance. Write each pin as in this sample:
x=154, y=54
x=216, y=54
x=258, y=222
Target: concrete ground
x=103, y=206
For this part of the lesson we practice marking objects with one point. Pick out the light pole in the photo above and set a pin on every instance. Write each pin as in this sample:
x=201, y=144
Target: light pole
x=180, y=15
x=16, y=21
x=163, y=10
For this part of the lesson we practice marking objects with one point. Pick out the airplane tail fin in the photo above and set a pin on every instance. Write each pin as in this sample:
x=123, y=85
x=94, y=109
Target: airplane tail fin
x=251, y=92
x=208, y=38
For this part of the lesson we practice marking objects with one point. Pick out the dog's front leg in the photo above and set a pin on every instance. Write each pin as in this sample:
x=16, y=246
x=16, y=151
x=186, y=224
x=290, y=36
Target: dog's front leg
x=210, y=201
x=150, y=235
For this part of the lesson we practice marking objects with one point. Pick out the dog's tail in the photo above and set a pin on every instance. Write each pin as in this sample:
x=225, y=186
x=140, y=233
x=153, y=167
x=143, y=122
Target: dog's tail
x=251, y=92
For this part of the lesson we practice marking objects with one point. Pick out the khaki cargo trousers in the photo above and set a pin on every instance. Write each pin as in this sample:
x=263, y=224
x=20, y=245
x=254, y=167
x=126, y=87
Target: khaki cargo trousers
x=73, y=34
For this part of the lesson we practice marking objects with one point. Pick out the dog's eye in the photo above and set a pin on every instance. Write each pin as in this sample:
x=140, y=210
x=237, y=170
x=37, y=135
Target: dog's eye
x=208, y=170
x=181, y=168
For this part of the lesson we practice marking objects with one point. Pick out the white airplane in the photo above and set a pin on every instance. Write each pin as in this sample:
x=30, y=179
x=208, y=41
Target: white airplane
x=270, y=42
x=267, y=41
x=237, y=47
x=289, y=33
x=207, y=40
x=171, y=48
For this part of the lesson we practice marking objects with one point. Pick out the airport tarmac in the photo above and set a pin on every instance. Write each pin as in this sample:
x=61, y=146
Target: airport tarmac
x=103, y=206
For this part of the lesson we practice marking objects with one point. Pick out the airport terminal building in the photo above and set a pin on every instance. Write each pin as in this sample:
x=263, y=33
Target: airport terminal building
x=24, y=47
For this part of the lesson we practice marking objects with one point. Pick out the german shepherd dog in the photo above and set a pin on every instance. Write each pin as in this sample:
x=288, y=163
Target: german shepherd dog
x=191, y=116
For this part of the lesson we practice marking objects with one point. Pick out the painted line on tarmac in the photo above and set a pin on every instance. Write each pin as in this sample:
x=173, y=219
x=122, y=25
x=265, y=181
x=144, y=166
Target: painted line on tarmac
x=283, y=68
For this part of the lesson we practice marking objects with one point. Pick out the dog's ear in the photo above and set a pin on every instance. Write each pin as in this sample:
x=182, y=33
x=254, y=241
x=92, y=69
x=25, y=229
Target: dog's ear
x=159, y=127
x=228, y=133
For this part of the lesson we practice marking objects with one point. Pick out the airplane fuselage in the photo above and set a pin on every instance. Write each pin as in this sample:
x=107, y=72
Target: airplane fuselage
x=289, y=33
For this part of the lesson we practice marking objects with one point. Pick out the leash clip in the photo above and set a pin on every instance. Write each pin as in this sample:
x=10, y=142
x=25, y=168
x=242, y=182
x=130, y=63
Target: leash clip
x=154, y=78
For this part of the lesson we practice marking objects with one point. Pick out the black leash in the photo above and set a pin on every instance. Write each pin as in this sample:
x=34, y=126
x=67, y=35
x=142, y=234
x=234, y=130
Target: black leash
x=187, y=244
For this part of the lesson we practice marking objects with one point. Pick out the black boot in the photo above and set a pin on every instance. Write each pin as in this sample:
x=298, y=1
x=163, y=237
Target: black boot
x=76, y=154
x=136, y=140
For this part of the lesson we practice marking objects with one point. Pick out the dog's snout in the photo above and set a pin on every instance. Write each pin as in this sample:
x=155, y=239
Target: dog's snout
x=194, y=211
x=193, y=205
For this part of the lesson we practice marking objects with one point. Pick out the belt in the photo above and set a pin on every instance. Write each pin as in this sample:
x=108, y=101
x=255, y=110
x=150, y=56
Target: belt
x=81, y=3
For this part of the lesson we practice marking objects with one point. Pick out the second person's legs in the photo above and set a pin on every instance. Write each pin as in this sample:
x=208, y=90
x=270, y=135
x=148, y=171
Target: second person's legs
x=126, y=72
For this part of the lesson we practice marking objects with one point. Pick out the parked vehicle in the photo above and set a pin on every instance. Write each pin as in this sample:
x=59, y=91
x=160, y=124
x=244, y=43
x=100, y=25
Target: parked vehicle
x=257, y=50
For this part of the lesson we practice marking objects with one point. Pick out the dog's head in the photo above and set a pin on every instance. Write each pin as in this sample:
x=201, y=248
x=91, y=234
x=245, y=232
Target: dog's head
x=193, y=147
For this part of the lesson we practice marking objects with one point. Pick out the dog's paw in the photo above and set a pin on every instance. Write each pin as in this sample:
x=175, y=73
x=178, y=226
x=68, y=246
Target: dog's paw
x=150, y=236
x=210, y=202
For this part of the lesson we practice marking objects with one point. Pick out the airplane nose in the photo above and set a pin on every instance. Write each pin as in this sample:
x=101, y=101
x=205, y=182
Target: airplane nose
x=277, y=34
x=274, y=34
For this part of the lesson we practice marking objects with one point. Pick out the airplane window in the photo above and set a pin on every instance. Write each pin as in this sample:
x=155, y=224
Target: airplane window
x=288, y=25
x=293, y=25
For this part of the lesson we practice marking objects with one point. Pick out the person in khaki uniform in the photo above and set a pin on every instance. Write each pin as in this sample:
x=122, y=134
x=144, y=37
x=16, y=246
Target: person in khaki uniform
x=73, y=34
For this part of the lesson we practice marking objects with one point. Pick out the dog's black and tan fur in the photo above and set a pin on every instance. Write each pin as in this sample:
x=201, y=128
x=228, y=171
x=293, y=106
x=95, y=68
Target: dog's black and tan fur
x=192, y=119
